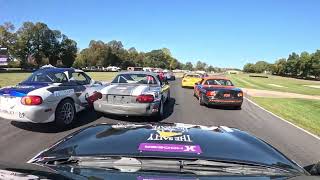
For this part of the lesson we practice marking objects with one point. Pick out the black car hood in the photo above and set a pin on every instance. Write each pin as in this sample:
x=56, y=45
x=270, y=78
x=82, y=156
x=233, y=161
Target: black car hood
x=168, y=141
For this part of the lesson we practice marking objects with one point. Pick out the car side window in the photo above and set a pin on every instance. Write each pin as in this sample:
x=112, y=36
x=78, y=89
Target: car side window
x=60, y=77
x=80, y=78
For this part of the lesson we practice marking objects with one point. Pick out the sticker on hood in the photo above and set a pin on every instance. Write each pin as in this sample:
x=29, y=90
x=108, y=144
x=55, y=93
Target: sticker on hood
x=176, y=148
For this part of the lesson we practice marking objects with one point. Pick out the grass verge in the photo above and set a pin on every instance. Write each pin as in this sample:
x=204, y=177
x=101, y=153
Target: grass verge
x=276, y=83
x=303, y=113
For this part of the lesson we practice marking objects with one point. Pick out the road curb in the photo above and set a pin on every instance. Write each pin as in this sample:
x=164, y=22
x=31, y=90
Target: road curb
x=311, y=134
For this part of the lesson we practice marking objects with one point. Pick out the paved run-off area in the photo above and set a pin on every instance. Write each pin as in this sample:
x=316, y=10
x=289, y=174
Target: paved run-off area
x=20, y=141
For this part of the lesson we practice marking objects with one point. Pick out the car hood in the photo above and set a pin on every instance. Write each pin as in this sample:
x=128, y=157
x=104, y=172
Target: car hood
x=22, y=89
x=168, y=141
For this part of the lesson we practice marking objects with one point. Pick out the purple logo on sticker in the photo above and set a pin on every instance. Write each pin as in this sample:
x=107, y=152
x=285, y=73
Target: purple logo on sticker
x=170, y=148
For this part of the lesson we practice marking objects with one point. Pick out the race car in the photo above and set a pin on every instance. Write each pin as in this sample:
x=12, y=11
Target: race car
x=164, y=151
x=136, y=93
x=49, y=94
x=218, y=91
x=190, y=79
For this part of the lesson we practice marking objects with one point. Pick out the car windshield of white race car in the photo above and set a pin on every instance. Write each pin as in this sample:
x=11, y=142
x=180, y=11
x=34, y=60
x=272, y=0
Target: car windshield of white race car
x=48, y=77
x=135, y=79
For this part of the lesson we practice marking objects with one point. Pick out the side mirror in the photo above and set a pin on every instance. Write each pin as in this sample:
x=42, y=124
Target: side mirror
x=315, y=169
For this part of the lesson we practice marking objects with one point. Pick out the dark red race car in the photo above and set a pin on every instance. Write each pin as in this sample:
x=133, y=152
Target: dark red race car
x=218, y=91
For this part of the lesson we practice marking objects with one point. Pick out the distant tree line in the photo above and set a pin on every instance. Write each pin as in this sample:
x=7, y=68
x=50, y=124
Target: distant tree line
x=35, y=44
x=305, y=65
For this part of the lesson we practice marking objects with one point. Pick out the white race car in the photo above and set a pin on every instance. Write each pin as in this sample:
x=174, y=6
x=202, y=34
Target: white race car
x=49, y=94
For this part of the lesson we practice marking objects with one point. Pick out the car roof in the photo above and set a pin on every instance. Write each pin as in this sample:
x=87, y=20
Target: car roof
x=139, y=72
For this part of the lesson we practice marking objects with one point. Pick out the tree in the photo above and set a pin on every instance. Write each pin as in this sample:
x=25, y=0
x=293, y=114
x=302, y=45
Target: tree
x=8, y=38
x=249, y=68
x=201, y=66
x=315, y=64
x=68, y=51
x=291, y=65
x=305, y=64
x=188, y=66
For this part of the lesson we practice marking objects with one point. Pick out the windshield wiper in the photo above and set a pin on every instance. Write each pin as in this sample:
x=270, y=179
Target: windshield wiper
x=198, y=167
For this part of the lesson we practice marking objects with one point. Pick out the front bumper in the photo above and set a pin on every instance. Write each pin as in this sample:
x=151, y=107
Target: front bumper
x=35, y=114
x=130, y=109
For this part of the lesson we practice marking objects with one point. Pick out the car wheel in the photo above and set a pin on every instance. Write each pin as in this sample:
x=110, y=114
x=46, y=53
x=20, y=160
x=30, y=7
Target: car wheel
x=160, y=113
x=201, y=100
x=65, y=113
x=168, y=97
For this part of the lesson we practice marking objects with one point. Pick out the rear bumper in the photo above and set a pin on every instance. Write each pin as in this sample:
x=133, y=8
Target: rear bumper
x=33, y=114
x=131, y=109
x=187, y=84
x=225, y=102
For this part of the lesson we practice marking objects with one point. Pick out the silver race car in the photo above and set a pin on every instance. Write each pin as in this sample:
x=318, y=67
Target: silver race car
x=134, y=94
x=49, y=94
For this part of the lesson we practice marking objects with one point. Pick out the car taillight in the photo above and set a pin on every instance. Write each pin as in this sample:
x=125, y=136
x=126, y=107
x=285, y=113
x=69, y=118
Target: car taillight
x=240, y=94
x=31, y=100
x=145, y=98
x=211, y=93
x=95, y=96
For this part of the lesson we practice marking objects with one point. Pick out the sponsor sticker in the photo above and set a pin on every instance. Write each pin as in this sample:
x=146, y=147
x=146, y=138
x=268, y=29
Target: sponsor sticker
x=63, y=92
x=167, y=133
x=177, y=148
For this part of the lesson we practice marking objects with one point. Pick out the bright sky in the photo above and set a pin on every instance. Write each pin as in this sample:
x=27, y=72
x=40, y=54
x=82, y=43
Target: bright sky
x=224, y=33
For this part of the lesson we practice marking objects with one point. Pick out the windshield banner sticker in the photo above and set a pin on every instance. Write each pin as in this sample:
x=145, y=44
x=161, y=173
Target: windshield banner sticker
x=170, y=148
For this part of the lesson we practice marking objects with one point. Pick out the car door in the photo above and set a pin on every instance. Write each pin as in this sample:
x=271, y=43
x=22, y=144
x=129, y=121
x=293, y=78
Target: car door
x=164, y=88
x=85, y=86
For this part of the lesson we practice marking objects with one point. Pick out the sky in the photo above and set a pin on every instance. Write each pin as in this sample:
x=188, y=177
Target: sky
x=226, y=33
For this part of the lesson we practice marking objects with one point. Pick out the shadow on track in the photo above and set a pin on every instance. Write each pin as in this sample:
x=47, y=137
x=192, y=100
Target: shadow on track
x=168, y=110
x=83, y=118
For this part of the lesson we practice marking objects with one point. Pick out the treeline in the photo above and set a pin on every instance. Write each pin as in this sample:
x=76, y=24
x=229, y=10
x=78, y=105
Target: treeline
x=35, y=44
x=305, y=65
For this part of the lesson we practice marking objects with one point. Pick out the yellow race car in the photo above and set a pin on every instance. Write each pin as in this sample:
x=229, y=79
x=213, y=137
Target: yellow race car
x=189, y=80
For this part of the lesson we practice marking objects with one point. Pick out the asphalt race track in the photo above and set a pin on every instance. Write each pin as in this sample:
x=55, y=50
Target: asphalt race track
x=21, y=141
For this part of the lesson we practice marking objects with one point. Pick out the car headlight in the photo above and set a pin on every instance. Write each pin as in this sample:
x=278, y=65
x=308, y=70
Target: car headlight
x=240, y=94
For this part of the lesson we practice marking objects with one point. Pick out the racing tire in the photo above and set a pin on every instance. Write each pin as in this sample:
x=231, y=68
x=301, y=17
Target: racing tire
x=201, y=100
x=159, y=115
x=168, y=97
x=65, y=113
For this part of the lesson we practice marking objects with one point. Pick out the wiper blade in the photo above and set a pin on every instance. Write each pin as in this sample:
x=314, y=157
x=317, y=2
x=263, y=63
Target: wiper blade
x=198, y=167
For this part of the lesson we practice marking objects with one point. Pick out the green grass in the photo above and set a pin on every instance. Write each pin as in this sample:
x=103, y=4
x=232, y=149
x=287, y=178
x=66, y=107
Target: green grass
x=8, y=79
x=289, y=84
x=303, y=113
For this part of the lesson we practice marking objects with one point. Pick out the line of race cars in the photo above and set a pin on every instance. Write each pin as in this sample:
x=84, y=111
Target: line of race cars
x=213, y=90
x=57, y=94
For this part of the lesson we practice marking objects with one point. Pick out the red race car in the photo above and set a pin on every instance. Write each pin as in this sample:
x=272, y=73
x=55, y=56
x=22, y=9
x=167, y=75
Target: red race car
x=218, y=91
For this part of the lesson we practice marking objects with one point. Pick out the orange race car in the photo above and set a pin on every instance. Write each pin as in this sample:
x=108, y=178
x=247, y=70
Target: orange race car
x=218, y=91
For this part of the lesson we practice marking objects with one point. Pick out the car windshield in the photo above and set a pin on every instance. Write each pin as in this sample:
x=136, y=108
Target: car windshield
x=134, y=79
x=221, y=82
x=47, y=77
